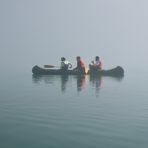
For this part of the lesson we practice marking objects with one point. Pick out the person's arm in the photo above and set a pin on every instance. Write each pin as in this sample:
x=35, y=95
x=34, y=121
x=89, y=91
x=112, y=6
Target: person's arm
x=76, y=68
x=69, y=65
x=100, y=65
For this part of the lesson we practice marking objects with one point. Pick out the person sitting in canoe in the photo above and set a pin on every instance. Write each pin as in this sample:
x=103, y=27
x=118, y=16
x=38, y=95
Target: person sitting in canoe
x=80, y=65
x=97, y=65
x=65, y=64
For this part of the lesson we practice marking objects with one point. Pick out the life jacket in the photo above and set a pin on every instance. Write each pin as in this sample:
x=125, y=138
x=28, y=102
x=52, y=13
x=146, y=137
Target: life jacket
x=80, y=64
x=98, y=64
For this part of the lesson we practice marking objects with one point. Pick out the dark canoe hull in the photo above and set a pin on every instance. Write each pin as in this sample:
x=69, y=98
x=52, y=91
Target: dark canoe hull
x=43, y=71
x=115, y=72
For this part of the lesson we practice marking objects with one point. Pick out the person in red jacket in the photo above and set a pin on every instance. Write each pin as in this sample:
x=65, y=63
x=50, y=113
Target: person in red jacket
x=80, y=65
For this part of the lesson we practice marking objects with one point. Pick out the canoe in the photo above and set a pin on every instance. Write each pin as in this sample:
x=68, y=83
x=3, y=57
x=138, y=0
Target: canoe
x=44, y=71
x=115, y=72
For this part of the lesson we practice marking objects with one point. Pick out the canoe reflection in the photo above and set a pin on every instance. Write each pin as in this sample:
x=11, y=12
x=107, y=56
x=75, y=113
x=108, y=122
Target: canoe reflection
x=51, y=79
x=69, y=82
x=63, y=79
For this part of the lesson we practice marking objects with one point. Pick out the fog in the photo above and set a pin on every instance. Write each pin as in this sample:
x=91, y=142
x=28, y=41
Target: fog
x=41, y=31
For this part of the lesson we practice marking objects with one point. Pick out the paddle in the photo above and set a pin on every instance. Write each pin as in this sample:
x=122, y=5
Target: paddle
x=50, y=66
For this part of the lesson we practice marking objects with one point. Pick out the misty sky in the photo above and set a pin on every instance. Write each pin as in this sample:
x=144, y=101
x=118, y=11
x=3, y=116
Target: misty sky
x=41, y=31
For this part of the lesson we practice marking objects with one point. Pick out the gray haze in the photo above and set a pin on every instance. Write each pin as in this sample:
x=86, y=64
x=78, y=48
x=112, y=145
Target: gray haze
x=41, y=31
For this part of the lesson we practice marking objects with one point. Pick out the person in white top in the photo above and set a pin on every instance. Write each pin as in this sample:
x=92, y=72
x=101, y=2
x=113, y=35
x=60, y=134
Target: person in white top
x=97, y=65
x=65, y=64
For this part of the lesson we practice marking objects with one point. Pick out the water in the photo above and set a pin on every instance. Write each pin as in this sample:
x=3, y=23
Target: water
x=73, y=112
x=56, y=111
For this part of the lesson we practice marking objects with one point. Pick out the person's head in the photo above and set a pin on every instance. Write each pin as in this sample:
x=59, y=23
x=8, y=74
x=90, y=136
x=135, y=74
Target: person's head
x=63, y=59
x=78, y=58
x=97, y=58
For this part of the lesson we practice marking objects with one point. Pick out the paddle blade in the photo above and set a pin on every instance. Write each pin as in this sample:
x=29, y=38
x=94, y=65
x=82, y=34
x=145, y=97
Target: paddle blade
x=49, y=66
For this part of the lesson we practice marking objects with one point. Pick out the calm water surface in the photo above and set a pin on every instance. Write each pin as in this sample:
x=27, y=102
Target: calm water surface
x=76, y=112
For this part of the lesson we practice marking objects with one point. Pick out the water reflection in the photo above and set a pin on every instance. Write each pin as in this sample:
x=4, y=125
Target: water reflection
x=96, y=83
x=37, y=79
x=64, y=80
x=80, y=82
